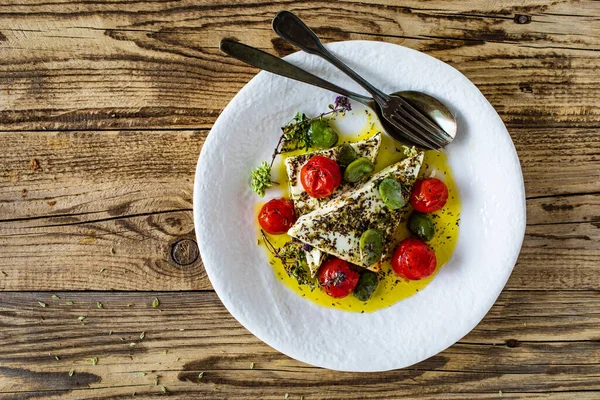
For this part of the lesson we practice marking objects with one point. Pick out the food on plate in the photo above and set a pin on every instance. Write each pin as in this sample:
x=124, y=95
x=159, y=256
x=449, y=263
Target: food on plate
x=337, y=277
x=277, y=216
x=320, y=176
x=363, y=222
x=422, y=226
x=304, y=202
x=337, y=226
x=413, y=259
x=371, y=246
x=429, y=195
x=358, y=169
x=321, y=134
x=367, y=284
x=346, y=154
x=390, y=191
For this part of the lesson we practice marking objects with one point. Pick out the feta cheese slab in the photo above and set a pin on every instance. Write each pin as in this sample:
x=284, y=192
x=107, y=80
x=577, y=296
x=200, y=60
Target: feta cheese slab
x=303, y=203
x=337, y=226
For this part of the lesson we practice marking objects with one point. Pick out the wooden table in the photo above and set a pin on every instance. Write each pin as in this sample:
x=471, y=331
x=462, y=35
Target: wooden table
x=104, y=107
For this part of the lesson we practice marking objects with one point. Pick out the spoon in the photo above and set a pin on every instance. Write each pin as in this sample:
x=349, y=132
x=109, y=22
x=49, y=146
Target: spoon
x=393, y=108
x=278, y=66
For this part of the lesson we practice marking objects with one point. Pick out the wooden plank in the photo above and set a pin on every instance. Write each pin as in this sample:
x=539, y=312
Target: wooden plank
x=99, y=175
x=62, y=223
x=132, y=253
x=563, y=209
x=557, y=350
x=131, y=191
x=563, y=161
x=86, y=176
x=96, y=175
x=78, y=256
x=110, y=65
x=565, y=254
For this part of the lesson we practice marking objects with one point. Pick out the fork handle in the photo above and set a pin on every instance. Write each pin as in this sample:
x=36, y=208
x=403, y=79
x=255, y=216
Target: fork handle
x=291, y=28
x=276, y=65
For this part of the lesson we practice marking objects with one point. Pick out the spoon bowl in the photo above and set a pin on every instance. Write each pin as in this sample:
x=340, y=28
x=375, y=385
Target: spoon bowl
x=402, y=119
x=426, y=105
x=429, y=106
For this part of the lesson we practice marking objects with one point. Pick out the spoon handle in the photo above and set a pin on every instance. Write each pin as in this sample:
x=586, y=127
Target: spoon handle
x=291, y=28
x=276, y=65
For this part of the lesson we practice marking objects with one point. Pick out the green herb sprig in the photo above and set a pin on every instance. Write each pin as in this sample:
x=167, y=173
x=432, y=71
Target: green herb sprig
x=294, y=136
x=293, y=257
x=261, y=179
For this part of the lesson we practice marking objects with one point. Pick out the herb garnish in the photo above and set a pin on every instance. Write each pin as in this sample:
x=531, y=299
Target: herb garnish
x=155, y=302
x=261, y=179
x=294, y=136
x=293, y=257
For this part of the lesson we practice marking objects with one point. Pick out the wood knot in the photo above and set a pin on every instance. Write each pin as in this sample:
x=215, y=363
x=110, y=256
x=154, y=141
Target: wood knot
x=185, y=252
x=522, y=19
x=512, y=343
x=34, y=165
x=525, y=87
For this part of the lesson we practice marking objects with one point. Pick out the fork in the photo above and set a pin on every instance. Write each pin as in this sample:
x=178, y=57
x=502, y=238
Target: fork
x=411, y=122
x=276, y=65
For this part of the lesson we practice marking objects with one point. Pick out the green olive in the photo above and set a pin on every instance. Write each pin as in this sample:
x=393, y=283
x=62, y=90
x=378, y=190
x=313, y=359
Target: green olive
x=345, y=155
x=321, y=134
x=371, y=247
x=367, y=283
x=422, y=226
x=391, y=194
x=358, y=169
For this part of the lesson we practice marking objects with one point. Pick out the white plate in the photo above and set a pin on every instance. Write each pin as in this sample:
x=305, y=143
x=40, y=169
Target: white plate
x=492, y=226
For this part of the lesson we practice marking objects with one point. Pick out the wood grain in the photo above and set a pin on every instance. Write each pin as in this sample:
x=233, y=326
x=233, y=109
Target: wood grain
x=156, y=64
x=103, y=212
x=563, y=209
x=525, y=334
x=90, y=176
x=78, y=255
x=130, y=193
x=96, y=175
x=104, y=107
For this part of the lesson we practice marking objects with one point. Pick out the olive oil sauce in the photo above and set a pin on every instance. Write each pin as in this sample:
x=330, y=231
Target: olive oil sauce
x=391, y=288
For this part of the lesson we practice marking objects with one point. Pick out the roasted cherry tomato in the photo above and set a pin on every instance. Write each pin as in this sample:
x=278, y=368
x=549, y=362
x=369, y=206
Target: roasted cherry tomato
x=337, y=277
x=277, y=216
x=320, y=176
x=413, y=259
x=428, y=195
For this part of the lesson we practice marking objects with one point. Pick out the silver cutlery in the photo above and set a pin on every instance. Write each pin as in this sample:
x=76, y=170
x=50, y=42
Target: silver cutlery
x=396, y=110
x=411, y=124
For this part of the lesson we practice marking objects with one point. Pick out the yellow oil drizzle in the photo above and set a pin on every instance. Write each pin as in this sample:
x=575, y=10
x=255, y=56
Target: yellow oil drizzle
x=391, y=288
